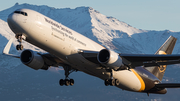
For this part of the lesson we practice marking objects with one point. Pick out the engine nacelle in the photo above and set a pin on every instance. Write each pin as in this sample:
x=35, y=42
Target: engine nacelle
x=32, y=59
x=109, y=59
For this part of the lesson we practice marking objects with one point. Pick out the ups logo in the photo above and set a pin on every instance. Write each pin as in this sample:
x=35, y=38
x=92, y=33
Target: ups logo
x=162, y=68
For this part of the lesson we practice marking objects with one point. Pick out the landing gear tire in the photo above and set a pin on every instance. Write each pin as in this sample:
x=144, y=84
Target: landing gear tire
x=117, y=82
x=61, y=82
x=112, y=82
x=106, y=82
x=66, y=82
x=19, y=47
x=71, y=82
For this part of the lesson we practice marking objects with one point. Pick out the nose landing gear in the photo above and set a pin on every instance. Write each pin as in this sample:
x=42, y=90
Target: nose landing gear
x=19, y=47
x=20, y=38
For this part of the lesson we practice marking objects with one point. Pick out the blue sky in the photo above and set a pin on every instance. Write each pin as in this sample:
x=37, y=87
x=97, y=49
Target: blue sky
x=142, y=14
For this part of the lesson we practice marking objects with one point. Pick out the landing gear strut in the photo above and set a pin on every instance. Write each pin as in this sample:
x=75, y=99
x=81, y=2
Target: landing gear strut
x=20, y=38
x=68, y=70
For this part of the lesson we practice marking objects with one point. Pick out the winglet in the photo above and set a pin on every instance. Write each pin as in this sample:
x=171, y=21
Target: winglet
x=7, y=48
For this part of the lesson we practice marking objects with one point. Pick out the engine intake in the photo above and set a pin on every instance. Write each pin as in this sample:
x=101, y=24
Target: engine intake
x=32, y=60
x=109, y=59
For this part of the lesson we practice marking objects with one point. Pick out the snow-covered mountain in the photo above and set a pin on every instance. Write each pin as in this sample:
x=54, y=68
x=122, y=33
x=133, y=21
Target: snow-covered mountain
x=17, y=79
x=107, y=31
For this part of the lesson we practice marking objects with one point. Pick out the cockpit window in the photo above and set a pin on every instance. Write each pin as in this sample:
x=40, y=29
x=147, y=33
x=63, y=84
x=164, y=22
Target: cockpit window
x=20, y=12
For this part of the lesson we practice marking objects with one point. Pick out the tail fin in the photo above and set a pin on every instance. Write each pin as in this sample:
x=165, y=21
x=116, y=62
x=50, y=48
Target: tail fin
x=166, y=48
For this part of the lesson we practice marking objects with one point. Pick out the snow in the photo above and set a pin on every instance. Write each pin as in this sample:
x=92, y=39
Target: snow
x=107, y=31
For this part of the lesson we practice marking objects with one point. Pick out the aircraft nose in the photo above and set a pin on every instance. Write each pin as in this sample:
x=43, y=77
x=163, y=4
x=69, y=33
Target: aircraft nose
x=13, y=23
x=11, y=19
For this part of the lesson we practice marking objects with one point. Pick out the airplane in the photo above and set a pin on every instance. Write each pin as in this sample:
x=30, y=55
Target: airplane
x=74, y=52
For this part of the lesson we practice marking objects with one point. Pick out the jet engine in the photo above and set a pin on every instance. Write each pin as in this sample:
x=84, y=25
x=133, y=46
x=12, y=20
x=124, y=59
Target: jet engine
x=109, y=59
x=33, y=60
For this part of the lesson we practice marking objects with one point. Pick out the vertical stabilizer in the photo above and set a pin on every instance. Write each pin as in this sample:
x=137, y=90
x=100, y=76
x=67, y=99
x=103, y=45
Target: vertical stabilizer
x=166, y=48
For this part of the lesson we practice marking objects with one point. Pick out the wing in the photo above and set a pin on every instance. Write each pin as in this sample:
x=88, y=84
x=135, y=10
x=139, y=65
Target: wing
x=50, y=60
x=89, y=55
x=149, y=60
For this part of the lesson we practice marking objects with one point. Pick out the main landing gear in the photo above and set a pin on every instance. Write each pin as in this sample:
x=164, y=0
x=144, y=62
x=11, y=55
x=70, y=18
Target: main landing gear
x=68, y=70
x=20, y=38
x=66, y=82
x=112, y=82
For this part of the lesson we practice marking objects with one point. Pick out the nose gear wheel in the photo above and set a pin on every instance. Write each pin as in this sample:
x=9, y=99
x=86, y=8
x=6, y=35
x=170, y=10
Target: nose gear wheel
x=20, y=38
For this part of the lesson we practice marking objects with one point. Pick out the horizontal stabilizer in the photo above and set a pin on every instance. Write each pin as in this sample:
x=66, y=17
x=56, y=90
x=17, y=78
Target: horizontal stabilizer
x=168, y=85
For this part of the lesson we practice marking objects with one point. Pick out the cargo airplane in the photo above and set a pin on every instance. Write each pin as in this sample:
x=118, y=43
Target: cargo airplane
x=74, y=52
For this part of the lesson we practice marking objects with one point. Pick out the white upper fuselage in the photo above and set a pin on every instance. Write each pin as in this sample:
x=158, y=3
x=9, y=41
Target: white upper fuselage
x=51, y=36
x=65, y=43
